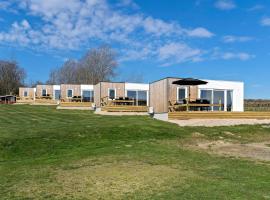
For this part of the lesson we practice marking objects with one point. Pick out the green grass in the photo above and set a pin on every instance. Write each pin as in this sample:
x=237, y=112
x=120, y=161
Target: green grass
x=61, y=154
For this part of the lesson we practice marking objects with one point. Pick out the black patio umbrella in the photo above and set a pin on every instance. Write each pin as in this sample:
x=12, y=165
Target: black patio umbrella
x=189, y=82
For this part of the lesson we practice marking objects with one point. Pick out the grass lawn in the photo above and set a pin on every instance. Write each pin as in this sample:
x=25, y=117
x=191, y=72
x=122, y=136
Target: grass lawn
x=62, y=154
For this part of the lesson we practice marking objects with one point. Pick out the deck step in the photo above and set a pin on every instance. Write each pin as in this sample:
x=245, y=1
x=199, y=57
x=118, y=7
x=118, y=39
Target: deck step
x=125, y=108
x=219, y=115
x=76, y=104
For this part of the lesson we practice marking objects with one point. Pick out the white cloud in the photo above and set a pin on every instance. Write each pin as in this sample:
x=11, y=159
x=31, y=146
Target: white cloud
x=256, y=8
x=232, y=39
x=265, y=21
x=6, y=5
x=225, y=4
x=129, y=3
x=178, y=53
x=241, y=56
x=218, y=53
x=200, y=32
x=71, y=25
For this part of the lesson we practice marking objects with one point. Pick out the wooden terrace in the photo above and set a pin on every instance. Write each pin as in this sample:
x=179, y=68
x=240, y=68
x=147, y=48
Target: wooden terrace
x=121, y=104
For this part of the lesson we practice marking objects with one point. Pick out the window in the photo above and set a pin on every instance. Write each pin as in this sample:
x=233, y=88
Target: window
x=181, y=93
x=44, y=92
x=139, y=97
x=88, y=95
x=69, y=93
x=112, y=94
x=25, y=94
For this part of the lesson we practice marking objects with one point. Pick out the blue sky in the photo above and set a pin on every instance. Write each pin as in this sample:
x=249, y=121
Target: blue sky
x=210, y=39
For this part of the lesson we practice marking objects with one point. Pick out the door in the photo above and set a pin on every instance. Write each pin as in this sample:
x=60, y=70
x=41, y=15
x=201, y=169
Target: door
x=218, y=99
x=229, y=100
x=57, y=94
x=142, y=98
x=132, y=95
x=86, y=95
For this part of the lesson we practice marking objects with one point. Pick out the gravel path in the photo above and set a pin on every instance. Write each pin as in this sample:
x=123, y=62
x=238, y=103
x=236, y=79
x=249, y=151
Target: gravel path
x=218, y=122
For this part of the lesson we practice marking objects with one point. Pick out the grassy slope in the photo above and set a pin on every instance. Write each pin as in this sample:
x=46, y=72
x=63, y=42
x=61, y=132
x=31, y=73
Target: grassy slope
x=47, y=153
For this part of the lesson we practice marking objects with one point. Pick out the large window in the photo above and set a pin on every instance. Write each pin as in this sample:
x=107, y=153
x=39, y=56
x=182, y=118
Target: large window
x=181, y=94
x=69, y=93
x=139, y=97
x=222, y=97
x=88, y=95
x=44, y=92
x=112, y=94
x=25, y=93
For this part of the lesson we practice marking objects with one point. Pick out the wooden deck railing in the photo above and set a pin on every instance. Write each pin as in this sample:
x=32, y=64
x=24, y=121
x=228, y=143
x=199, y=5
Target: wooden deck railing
x=173, y=107
x=105, y=101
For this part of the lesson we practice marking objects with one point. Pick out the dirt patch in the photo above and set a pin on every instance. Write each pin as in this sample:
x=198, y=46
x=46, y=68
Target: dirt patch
x=219, y=122
x=105, y=181
x=256, y=151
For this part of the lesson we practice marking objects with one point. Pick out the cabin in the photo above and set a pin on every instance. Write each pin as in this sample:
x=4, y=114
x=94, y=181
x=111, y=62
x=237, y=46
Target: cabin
x=172, y=95
x=121, y=96
x=44, y=92
x=76, y=96
x=27, y=94
x=70, y=92
x=49, y=92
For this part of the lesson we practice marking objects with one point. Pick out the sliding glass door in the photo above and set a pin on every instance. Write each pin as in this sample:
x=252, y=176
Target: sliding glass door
x=229, y=100
x=57, y=94
x=88, y=95
x=139, y=97
x=218, y=98
x=142, y=98
x=221, y=97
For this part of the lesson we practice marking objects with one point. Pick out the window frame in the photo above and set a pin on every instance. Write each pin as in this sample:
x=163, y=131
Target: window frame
x=71, y=93
x=42, y=92
x=177, y=92
x=109, y=89
x=25, y=91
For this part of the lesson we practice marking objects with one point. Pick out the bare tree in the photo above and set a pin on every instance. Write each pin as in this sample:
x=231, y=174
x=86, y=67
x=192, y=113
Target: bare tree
x=53, y=77
x=135, y=77
x=11, y=77
x=98, y=64
x=35, y=83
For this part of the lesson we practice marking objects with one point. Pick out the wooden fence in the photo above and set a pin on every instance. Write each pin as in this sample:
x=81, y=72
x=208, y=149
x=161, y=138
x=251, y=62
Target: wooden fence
x=257, y=105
